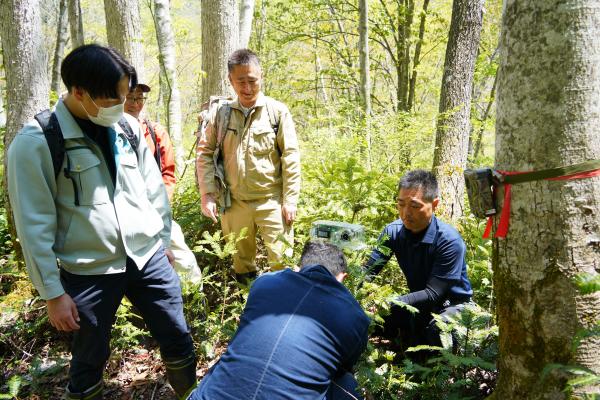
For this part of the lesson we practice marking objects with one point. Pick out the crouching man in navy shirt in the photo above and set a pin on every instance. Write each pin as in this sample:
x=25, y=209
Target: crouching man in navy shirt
x=299, y=336
x=431, y=255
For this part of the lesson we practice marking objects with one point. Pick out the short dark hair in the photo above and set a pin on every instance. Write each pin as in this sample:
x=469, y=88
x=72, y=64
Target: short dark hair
x=242, y=57
x=96, y=69
x=318, y=252
x=420, y=179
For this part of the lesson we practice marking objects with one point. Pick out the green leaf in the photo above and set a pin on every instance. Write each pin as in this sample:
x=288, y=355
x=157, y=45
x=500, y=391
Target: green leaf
x=587, y=283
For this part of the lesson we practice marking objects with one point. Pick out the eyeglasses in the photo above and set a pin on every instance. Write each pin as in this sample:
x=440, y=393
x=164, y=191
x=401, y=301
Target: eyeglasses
x=138, y=100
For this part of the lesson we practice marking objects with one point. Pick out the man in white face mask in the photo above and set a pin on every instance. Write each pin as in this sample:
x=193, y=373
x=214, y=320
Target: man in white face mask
x=103, y=212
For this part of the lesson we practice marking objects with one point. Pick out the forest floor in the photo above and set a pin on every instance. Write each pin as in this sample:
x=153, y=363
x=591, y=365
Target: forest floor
x=41, y=360
x=136, y=374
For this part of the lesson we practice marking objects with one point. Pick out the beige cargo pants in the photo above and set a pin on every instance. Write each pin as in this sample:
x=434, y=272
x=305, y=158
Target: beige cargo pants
x=262, y=216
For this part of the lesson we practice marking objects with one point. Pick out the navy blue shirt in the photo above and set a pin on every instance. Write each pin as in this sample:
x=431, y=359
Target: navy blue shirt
x=438, y=252
x=298, y=332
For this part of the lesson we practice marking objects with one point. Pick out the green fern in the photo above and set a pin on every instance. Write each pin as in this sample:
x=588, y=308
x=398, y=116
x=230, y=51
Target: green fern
x=14, y=384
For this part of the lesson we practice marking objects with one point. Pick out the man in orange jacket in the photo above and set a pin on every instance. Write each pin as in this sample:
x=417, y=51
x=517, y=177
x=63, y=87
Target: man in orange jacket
x=156, y=136
x=160, y=146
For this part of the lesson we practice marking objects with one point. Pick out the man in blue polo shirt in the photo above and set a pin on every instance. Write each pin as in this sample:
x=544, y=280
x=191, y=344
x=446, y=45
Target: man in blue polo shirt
x=299, y=336
x=431, y=255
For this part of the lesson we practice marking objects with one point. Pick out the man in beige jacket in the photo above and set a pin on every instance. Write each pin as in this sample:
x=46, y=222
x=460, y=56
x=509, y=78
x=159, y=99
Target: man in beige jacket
x=261, y=163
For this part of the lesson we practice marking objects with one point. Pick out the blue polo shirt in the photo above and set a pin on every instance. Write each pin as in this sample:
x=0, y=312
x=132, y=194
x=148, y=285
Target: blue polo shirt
x=298, y=332
x=438, y=252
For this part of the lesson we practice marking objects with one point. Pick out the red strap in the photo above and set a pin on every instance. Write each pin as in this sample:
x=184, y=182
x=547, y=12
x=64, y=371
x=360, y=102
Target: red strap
x=505, y=215
x=581, y=175
x=504, y=222
x=488, y=228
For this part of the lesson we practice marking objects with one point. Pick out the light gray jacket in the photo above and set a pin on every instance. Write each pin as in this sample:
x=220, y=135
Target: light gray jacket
x=112, y=221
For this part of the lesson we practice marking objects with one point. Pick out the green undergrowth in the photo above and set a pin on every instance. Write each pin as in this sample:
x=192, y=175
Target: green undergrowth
x=338, y=188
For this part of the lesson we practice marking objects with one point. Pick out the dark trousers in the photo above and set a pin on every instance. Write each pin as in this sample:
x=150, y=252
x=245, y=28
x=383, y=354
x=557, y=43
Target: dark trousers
x=155, y=291
x=420, y=328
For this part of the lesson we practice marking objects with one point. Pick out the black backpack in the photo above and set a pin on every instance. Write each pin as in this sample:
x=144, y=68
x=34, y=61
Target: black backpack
x=56, y=142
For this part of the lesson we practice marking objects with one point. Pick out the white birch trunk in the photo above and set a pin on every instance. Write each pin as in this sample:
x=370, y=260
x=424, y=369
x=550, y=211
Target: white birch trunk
x=246, y=14
x=548, y=115
x=124, y=31
x=453, y=125
x=76, y=23
x=166, y=45
x=219, y=20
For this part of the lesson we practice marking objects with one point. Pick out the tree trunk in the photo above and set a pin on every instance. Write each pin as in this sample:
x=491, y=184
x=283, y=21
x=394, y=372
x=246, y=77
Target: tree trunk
x=547, y=116
x=59, y=49
x=25, y=65
x=166, y=45
x=405, y=19
x=124, y=31
x=417, y=57
x=219, y=21
x=365, y=73
x=453, y=125
x=76, y=23
x=246, y=14
x=486, y=114
x=2, y=109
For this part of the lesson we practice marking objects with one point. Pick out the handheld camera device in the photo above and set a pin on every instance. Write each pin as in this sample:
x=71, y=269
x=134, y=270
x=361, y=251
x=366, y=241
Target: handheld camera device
x=341, y=234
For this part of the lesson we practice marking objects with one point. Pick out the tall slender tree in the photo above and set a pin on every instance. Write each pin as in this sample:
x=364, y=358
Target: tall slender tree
x=219, y=20
x=392, y=30
x=166, y=45
x=76, y=23
x=246, y=14
x=124, y=31
x=417, y=57
x=61, y=40
x=365, y=72
x=547, y=116
x=453, y=124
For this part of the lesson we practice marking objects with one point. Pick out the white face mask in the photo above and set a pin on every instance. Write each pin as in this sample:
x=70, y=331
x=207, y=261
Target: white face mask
x=107, y=116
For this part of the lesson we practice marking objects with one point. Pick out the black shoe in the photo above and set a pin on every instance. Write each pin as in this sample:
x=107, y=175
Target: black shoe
x=246, y=278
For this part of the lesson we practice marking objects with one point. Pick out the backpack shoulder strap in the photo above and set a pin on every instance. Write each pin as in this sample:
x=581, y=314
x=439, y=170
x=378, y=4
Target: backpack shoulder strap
x=156, y=145
x=54, y=138
x=223, y=117
x=273, y=115
x=133, y=139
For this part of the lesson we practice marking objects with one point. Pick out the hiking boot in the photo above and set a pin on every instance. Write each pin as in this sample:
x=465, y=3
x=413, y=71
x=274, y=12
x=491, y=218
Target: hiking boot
x=93, y=393
x=181, y=374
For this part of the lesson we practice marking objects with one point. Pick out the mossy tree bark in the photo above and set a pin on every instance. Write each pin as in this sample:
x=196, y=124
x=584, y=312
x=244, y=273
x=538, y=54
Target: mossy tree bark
x=548, y=115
